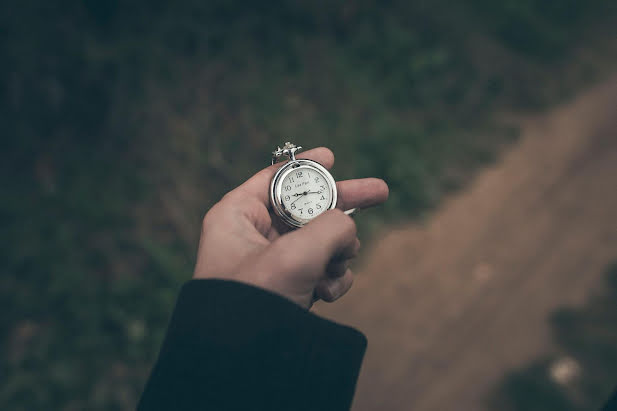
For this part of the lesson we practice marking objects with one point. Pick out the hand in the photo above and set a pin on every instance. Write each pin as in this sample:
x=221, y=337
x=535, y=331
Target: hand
x=242, y=240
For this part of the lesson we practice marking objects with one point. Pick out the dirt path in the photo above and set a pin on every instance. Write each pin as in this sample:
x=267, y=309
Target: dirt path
x=450, y=306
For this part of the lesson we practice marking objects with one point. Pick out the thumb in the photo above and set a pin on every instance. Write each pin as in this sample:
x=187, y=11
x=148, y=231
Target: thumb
x=333, y=234
x=295, y=263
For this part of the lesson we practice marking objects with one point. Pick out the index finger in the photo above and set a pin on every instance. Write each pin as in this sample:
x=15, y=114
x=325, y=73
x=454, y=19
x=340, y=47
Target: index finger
x=361, y=193
x=259, y=184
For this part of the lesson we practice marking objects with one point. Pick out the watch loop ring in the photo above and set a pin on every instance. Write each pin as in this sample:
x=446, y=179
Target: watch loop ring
x=288, y=149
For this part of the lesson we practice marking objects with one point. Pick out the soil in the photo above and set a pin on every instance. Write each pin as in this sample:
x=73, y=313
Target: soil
x=451, y=305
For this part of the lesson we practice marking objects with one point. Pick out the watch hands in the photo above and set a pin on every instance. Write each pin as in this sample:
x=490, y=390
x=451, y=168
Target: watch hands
x=300, y=195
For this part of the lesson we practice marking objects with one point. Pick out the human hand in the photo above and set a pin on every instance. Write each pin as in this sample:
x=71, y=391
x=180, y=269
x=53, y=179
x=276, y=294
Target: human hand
x=242, y=240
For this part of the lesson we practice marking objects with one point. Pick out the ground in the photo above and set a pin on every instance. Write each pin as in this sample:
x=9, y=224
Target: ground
x=451, y=305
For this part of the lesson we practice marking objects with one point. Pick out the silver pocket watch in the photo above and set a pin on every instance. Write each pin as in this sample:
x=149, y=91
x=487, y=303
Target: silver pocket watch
x=301, y=189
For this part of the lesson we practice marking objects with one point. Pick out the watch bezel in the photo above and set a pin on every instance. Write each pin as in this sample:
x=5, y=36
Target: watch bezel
x=276, y=190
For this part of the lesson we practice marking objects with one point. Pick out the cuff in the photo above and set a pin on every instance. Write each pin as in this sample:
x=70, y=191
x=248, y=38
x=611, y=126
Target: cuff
x=230, y=334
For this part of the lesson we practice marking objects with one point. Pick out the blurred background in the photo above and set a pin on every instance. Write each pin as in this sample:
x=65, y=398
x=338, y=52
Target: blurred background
x=489, y=279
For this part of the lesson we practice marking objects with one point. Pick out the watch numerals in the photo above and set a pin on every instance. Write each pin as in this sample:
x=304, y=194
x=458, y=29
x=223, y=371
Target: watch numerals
x=304, y=189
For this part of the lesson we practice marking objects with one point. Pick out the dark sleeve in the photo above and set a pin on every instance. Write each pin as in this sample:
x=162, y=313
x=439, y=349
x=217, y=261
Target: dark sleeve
x=611, y=405
x=230, y=346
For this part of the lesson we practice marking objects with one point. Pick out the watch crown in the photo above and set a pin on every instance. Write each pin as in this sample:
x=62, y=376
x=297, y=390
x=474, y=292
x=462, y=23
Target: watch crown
x=289, y=149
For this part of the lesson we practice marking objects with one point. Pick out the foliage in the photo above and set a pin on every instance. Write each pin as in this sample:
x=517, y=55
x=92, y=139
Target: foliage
x=122, y=122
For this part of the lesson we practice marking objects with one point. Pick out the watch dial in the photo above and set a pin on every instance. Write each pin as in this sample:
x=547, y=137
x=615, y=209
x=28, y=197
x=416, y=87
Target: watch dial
x=305, y=192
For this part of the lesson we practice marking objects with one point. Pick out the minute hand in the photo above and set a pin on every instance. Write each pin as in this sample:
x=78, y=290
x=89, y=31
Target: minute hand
x=301, y=195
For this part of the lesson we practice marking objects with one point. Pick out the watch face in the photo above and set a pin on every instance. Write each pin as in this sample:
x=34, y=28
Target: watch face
x=305, y=192
x=301, y=191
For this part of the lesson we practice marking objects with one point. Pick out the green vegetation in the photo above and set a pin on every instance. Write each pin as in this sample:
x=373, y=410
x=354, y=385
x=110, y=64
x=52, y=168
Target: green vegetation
x=121, y=124
x=588, y=337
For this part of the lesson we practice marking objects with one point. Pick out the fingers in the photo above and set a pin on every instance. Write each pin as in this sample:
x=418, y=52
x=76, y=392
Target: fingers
x=331, y=289
x=330, y=235
x=361, y=193
x=259, y=184
x=340, y=263
x=337, y=268
x=297, y=262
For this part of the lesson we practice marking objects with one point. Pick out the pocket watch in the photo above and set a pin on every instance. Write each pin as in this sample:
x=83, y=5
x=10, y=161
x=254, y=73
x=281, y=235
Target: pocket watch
x=301, y=189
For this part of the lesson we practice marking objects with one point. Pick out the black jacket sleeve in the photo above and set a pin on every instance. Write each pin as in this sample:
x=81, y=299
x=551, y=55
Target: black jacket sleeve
x=230, y=346
x=611, y=405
